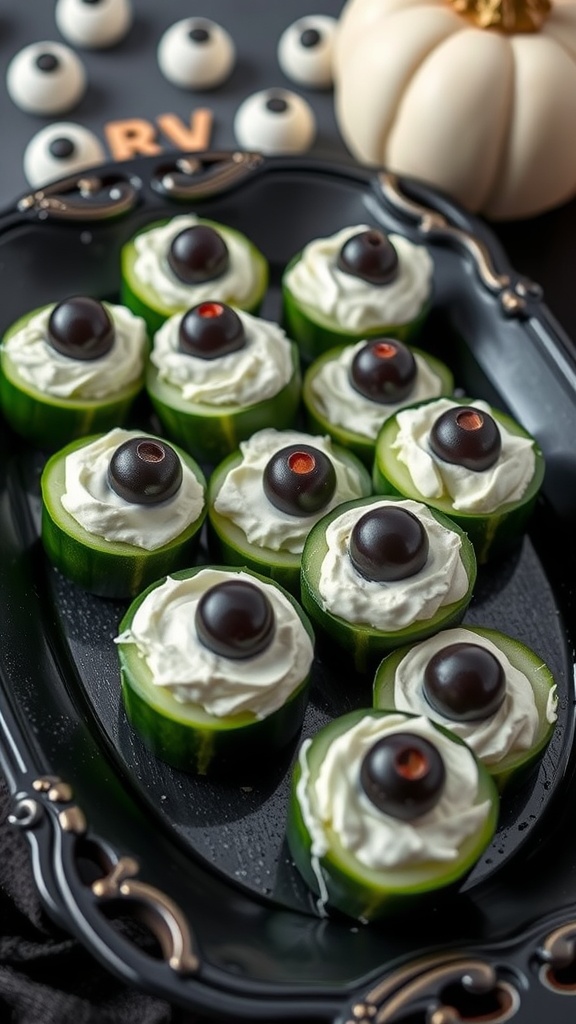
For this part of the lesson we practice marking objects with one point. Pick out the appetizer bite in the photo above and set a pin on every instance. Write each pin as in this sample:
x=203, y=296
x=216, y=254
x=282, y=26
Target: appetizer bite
x=351, y=390
x=172, y=265
x=381, y=572
x=489, y=689
x=469, y=461
x=215, y=665
x=385, y=807
x=357, y=284
x=217, y=375
x=264, y=499
x=70, y=369
x=121, y=509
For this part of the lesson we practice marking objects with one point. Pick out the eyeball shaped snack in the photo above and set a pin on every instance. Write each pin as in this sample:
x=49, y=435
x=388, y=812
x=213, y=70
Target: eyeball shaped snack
x=275, y=121
x=120, y=510
x=94, y=24
x=305, y=51
x=385, y=807
x=46, y=78
x=58, y=150
x=70, y=369
x=215, y=665
x=377, y=573
x=467, y=459
x=485, y=686
x=196, y=53
x=172, y=265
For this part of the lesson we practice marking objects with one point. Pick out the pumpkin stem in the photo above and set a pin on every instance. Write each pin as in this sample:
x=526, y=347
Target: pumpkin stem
x=506, y=15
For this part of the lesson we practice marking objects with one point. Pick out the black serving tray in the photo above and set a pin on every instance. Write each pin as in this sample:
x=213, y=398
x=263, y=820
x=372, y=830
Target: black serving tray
x=117, y=837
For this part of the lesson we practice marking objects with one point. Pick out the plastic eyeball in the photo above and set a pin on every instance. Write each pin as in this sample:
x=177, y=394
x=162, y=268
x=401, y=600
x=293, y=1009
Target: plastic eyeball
x=94, y=24
x=59, y=150
x=196, y=53
x=46, y=78
x=275, y=121
x=305, y=51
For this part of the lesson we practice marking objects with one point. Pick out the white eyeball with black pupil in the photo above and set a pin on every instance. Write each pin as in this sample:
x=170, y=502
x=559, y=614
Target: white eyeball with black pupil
x=305, y=51
x=46, y=78
x=275, y=121
x=95, y=24
x=59, y=150
x=196, y=53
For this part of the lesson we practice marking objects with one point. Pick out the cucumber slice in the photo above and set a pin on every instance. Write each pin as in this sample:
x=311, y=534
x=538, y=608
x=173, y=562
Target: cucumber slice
x=491, y=533
x=185, y=735
x=337, y=875
x=147, y=303
x=211, y=432
x=361, y=445
x=230, y=545
x=107, y=568
x=363, y=644
x=514, y=766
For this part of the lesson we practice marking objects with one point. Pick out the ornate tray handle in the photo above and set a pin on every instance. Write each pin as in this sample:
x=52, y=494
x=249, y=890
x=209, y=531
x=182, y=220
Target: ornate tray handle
x=82, y=197
x=194, y=177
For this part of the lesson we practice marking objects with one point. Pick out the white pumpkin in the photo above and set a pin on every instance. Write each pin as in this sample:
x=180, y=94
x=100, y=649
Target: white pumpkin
x=487, y=115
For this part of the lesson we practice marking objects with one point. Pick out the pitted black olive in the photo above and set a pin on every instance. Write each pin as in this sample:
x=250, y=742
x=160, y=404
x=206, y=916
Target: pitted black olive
x=198, y=254
x=81, y=328
x=467, y=437
x=464, y=682
x=145, y=471
x=299, y=480
x=383, y=370
x=403, y=775
x=388, y=543
x=210, y=330
x=235, y=619
x=370, y=256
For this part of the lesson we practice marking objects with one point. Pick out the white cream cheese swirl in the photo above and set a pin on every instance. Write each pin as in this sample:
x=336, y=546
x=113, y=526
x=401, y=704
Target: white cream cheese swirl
x=391, y=605
x=469, y=490
x=511, y=729
x=253, y=373
x=165, y=636
x=333, y=801
x=97, y=508
x=52, y=373
x=316, y=281
x=151, y=267
x=344, y=406
x=241, y=497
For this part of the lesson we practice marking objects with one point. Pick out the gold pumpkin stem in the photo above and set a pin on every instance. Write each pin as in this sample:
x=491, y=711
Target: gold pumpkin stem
x=507, y=15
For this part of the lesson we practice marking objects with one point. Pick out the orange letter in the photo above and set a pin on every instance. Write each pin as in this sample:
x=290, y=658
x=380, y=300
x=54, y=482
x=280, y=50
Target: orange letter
x=131, y=137
x=194, y=138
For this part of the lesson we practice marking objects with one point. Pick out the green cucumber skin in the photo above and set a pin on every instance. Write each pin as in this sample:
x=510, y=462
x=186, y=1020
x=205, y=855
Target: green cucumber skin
x=136, y=298
x=363, y=645
x=205, y=745
x=107, y=570
x=363, y=447
x=491, y=534
x=367, y=895
x=229, y=544
x=513, y=769
x=48, y=423
x=210, y=433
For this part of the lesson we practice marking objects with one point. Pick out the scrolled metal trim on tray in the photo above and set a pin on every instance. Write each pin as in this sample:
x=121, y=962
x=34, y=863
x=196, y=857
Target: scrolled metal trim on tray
x=557, y=953
x=83, y=197
x=200, y=176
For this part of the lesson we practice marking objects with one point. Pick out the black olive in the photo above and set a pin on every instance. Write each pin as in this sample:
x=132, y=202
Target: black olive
x=403, y=775
x=464, y=682
x=299, y=480
x=81, y=328
x=369, y=255
x=383, y=370
x=467, y=437
x=388, y=543
x=145, y=471
x=235, y=619
x=198, y=254
x=210, y=330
